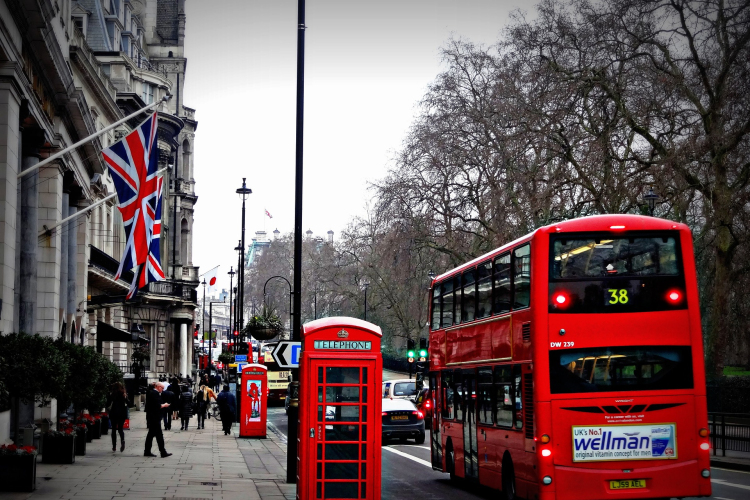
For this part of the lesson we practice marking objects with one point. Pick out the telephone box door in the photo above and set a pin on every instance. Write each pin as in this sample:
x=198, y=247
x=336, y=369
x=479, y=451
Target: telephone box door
x=342, y=408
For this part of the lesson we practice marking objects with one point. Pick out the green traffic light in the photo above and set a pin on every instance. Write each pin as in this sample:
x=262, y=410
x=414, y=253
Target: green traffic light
x=423, y=353
x=410, y=354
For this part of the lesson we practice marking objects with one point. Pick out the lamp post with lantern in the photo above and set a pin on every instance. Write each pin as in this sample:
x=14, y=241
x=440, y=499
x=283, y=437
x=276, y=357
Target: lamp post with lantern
x=651, y=198
x=244, y=192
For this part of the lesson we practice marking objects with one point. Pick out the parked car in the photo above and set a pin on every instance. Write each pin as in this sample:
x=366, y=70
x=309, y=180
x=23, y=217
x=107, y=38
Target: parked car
x=402, y=388
x=424, y=404
x=402, y=420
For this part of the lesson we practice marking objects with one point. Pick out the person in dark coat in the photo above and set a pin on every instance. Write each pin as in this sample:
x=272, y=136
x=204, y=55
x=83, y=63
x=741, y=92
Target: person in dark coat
x=168, y=397
x=174, y=387
x=154, y=410
x=228, y=408
x=217, y=381
x=186, y=407
x=117, y=403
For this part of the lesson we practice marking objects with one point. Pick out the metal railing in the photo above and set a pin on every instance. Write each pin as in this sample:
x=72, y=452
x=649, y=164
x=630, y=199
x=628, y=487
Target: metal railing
x=729, y=432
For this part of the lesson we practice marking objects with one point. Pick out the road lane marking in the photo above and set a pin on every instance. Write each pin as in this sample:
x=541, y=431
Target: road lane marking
x=722, y=498
x=410, y=457
x=730, y=470
x=727, y=483
x=276, y=431
x=412, y=446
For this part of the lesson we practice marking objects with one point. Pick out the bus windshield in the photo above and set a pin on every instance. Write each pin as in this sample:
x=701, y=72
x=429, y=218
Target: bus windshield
x=605, y=369
x=595, y=257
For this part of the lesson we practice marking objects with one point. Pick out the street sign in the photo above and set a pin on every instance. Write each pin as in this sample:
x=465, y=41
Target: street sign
x=240, y=358
x=287, y=354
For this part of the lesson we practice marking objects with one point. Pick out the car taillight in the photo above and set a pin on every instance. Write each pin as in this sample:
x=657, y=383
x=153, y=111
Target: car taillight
x=419, y=414
x=385, y=414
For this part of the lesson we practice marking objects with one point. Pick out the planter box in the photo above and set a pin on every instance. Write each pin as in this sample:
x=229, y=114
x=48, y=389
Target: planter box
x=263, y=333
x=81, y=441
x=59, y=449
x=17, y=472
x=96, y=429
x=105, y=425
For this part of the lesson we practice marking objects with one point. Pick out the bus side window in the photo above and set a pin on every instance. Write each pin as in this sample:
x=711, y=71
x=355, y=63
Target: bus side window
x=435, y=319
x=503, y=396
x=457, y=300
x=447, y=403
x=521, y=277
x=468, y=296
x=518, y=396
x=446, y=312
x=501, y=285
x=484, y=395
x=458, y=396
x=484, y=289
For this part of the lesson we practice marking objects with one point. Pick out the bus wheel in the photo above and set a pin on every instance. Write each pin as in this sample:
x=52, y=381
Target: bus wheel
x=509, y=479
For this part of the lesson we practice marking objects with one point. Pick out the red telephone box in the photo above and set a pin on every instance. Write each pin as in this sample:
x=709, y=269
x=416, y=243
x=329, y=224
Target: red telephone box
x=254, y=387
x=341, y=372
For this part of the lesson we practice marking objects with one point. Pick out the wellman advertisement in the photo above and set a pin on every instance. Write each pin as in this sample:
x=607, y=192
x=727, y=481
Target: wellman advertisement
x=624, y=442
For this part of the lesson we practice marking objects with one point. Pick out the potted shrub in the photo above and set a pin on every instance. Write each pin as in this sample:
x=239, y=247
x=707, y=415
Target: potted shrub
x=59, y=447
x=88, y=423
x=105, y=422
x=264, y=326
x=17, y=468
x=81, y=439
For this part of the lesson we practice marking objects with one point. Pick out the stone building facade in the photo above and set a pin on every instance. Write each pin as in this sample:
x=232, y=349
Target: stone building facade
x=70, y=68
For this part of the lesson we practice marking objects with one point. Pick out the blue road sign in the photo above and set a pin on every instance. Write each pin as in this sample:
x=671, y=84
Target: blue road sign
x=240, y=357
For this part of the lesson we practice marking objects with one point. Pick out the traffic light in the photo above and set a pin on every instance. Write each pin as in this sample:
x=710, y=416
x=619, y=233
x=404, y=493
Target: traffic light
x=410, y=350
x=423, y=349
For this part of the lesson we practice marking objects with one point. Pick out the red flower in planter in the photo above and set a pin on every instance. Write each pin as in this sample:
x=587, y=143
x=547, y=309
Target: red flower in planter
x=68, y=430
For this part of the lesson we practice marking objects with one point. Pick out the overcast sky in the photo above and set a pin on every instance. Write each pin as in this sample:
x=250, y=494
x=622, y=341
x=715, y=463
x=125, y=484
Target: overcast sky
x=367, y=64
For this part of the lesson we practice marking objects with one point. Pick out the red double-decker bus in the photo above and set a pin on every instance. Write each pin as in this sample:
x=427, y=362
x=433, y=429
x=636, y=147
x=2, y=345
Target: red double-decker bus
x=568, y=364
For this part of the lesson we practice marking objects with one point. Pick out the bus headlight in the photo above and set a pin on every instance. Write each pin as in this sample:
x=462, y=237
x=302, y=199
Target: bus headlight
x=706, y=473
x=547, y=480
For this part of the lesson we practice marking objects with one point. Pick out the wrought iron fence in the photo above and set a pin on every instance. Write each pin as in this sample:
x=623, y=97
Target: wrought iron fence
x=729, y=432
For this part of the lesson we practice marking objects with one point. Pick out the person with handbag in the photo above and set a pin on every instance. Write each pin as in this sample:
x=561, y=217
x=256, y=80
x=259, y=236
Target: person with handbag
x=202, y=399
x=117, y=409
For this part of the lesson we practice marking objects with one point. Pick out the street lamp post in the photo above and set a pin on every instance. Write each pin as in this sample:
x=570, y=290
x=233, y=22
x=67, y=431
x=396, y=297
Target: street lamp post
x=203, y=320
x=366, y=284
x=210, y=331
x=237, y=297
x=244, y=192
x=231, y=274
x=290, y=299
x=651, y=198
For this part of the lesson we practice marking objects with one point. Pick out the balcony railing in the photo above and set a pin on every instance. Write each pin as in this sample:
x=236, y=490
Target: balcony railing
x=172, y=289
x=101, y=260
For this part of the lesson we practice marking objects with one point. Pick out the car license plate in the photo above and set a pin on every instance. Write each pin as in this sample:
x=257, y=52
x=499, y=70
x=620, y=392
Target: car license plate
x=400, y=417
x=627, y=484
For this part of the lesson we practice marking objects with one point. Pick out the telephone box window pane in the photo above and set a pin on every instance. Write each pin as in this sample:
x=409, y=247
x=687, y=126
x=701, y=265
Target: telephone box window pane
x=320, y=413
x=342, y=394
x=320, y=471
x=364, y=394
x=364, y=414
x=320, y=394
x=364, y=471
x=342, y=433
x=320, y=452
x=364, y=490
x=341, y=490
x=341, y=451
x=342, y=413
x=341, y=375
x=319, y=488
x=364, y=452
x=320, y=375
x=364, y=433
x=364, y=375
x=341, y=471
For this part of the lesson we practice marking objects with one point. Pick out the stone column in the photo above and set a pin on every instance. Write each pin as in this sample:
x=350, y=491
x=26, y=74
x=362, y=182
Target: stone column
x=70, y=310
x=10, y=137
x=29, y=235
x=63, y=230
x=183, y=349
x=48, y=269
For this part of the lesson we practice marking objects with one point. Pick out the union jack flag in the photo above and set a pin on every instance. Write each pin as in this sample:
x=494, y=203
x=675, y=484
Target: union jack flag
x=133, y=163
x=151, y=271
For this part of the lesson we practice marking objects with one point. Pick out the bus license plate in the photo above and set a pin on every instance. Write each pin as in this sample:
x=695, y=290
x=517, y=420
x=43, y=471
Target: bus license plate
x=400, y=417
x=627, y=484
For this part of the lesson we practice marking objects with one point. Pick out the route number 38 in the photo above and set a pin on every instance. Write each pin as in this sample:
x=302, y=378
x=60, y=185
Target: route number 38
x=617, y=296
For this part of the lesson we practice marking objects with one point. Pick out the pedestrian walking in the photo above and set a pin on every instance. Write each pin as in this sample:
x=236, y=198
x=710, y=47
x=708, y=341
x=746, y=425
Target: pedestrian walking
x=228, y=408
x=117, y=409
x=175, y=388
x=186, y=407
x=168, y=397
x=154, y=409
x=217, y=382
x=202, y=400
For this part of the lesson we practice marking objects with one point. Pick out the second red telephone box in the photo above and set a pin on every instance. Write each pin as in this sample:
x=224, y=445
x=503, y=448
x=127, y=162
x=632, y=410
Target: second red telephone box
x=340, y=425
x=253, y=411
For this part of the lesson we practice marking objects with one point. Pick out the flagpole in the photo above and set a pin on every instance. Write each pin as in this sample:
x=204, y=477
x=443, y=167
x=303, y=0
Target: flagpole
x=92, y=137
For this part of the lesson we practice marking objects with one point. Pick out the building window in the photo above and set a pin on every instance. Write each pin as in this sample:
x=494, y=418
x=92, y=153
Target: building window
x=148, y=93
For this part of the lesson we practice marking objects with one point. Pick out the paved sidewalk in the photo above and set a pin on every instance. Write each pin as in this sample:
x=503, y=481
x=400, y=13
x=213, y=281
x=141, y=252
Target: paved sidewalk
x=205, y=464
